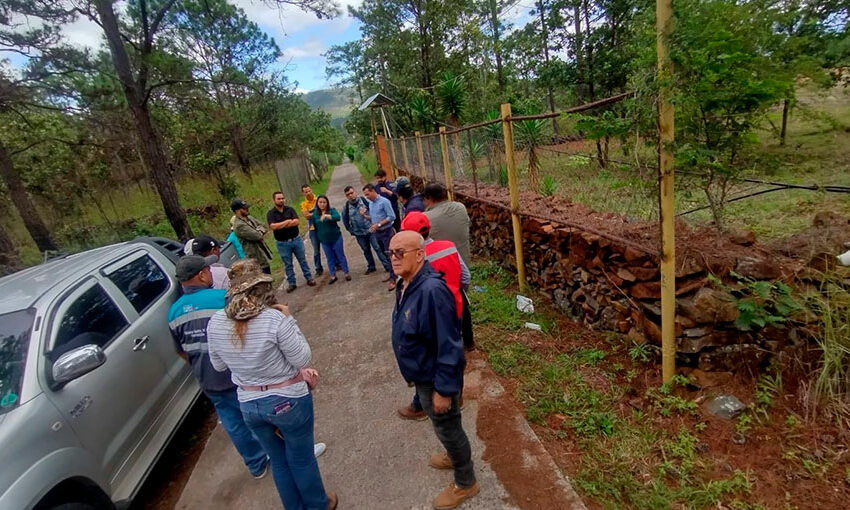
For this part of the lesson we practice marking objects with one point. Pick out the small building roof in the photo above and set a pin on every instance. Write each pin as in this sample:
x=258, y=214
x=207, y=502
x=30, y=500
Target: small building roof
x=376, y=101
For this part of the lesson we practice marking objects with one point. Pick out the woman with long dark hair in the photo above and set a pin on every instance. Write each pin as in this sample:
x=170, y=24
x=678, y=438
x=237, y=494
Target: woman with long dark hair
x=326, y=219
x=267, y=355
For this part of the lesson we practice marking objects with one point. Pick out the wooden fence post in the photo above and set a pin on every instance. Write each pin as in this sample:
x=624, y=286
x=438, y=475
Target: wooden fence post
x=404, y=157
x=393, y=164
x=664, y=29
x=421, y=155
x=508, y=133
x=447, y=168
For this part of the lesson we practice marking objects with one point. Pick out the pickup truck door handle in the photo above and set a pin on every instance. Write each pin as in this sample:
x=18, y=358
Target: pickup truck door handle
x=139, y=344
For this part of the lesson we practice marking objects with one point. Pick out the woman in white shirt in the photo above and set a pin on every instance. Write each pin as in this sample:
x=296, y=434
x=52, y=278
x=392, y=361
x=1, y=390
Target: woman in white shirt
x=267, y=355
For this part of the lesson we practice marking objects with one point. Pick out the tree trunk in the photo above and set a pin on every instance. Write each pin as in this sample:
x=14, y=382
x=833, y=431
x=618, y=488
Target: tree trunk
x=786, y=107
x=26, y=208
x=496, y=27
x=544, y=35
x=589, y=49
x=151, y=145
x=239, y=150
x=9, y=260
x=578, y=52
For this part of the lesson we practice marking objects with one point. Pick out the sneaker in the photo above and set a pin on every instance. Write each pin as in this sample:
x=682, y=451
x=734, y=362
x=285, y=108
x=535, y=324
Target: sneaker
x=311, y=282
x=333, y=501
x=408, y=412
x=370, y=271
x=441, y=461
x=291, y=288
x=264, y=472
x=319, y=449
x=452, y=496
x=319, y=272
x=348, y=277
x=333, y=280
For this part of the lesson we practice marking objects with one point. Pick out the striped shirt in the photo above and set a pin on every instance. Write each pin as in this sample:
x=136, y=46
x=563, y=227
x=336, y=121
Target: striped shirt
x=274, y=351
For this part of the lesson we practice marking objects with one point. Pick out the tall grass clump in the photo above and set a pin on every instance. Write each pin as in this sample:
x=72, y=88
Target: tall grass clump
x=832, y=307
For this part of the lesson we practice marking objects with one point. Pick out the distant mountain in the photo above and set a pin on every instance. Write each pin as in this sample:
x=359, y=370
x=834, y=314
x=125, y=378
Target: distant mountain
x=338, y=102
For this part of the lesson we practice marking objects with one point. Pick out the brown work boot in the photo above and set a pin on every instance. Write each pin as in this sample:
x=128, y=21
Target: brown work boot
x=333, y=501
x=408, y=412
x=441, y=461
x=452, y=496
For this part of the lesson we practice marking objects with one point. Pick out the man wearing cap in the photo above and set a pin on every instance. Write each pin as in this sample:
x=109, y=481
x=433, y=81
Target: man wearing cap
x=206, y=246
x=187, y=319
x=250, y=233
x=445, y=260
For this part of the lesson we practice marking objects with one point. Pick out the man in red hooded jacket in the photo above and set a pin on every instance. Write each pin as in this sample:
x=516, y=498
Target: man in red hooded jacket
x=445, y=259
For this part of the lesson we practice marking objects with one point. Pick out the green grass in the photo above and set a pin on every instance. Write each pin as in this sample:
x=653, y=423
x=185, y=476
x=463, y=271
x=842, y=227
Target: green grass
x=367, y=164
x=817, y=151
x=141, y=203
x=626, y=458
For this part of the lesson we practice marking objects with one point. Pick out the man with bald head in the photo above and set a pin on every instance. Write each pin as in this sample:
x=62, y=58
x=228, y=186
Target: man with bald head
x=429, y=351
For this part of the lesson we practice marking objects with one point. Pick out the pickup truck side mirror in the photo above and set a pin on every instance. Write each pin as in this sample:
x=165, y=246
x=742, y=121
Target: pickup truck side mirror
x=77, y=362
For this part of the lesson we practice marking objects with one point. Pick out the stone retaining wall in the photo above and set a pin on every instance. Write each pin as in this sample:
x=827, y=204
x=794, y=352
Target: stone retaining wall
x=616, y=287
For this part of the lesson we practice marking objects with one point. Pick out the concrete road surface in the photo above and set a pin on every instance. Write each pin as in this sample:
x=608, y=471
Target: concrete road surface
x=374, y=459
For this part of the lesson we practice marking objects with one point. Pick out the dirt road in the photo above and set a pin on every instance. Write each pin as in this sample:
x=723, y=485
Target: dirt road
x=374, y=459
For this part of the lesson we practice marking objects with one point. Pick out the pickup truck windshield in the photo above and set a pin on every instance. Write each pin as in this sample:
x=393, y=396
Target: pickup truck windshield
x=15, y=328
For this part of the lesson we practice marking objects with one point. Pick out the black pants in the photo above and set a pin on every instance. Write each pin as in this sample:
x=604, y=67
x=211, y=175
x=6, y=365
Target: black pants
x=449, y=430
x=466, y=324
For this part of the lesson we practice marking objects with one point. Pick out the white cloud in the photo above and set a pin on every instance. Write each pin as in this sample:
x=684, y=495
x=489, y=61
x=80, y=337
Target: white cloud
x=84, y=33
x=308, y=49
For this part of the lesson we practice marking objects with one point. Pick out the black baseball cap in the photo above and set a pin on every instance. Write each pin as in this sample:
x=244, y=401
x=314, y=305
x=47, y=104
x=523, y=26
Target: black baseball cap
x=202, y=245
x=237, y=204
x=191, y=265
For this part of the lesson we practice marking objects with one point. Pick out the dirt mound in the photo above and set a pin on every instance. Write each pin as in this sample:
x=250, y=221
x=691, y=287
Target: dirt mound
x=819, y=244
x=697, y=248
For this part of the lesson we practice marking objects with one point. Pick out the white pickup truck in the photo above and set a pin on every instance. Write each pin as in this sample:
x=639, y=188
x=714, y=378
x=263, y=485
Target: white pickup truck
x=91, y=388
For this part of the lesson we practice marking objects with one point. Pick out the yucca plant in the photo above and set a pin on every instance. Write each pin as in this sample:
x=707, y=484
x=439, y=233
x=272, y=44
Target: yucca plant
x=530, y=134
x=420, y=110
x=549, y=186
x=452, y=97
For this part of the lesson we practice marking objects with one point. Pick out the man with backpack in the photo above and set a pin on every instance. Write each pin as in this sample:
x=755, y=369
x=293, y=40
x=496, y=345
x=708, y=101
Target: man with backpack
x=358, y=226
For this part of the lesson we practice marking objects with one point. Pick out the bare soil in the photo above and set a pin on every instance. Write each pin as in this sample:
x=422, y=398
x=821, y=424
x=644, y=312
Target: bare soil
x=162, y=489
x=702, y=247
x=773, y=454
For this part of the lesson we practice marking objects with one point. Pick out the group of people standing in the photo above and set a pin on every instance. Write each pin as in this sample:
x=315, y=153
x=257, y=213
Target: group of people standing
x=252, y=359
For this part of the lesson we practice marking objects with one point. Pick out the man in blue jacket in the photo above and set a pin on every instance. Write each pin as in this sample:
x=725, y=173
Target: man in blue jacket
x=429, y=351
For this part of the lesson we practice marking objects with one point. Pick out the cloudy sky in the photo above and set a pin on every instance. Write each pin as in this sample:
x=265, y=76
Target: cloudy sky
x=302, y=37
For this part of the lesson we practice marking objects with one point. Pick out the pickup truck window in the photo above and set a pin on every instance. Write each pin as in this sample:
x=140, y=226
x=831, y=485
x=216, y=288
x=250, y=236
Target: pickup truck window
x=142, y=281
x=15, y=328
x=92, y=319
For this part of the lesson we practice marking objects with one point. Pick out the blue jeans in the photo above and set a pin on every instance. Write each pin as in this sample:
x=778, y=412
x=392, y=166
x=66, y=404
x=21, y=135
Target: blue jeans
x=295, y=247
x=383, y=237
x=317, y=252
x=294, y=467
x=335, y=256
x=227, y=407
x=369, y=242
